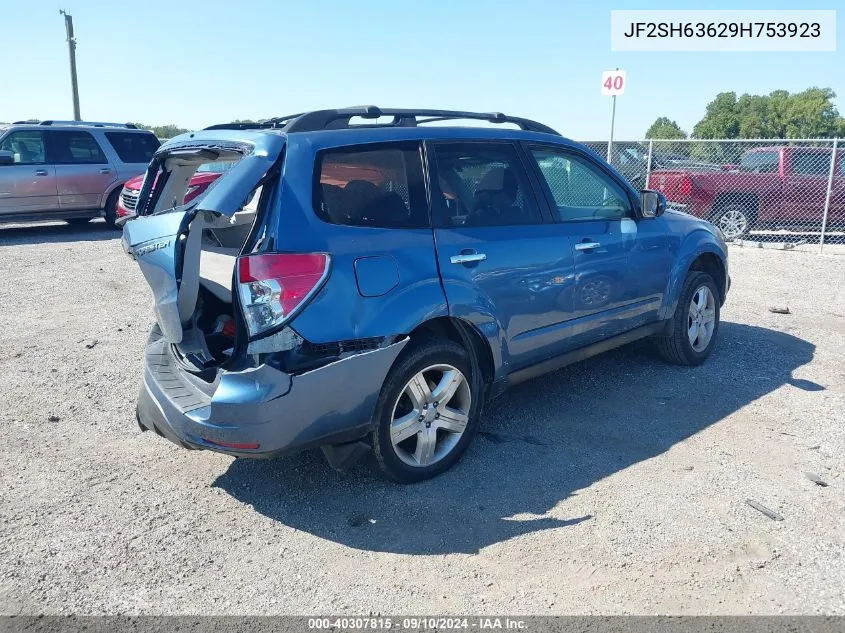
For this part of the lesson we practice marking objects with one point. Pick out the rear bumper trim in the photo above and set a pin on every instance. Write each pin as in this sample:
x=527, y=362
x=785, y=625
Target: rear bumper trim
x=262, y=405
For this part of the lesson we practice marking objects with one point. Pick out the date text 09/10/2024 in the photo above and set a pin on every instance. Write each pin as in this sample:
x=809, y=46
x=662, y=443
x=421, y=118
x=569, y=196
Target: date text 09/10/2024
x=417, y=623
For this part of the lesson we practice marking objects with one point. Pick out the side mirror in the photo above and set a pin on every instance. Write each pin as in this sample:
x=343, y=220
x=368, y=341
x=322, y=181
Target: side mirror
x=652, y=203
x=7, y=158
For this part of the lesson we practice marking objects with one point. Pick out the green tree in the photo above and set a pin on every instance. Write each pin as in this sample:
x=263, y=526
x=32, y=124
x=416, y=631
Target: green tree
x=778, y=112
x=721, y=119
x=665, y=128
x=812, y=114
x=807, y=114
x=781, y=115
x=163, y=131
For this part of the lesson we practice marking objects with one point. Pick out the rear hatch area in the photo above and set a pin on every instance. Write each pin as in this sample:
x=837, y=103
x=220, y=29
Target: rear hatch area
x=188, y=252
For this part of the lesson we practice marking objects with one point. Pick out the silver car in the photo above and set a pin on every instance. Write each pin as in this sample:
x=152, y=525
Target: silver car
x=68, y=170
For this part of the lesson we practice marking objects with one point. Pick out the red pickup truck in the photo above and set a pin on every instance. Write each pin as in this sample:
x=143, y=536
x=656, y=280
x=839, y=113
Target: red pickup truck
x=771, y=187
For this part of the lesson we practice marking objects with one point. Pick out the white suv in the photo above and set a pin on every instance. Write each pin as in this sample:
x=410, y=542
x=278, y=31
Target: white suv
x=68, y=170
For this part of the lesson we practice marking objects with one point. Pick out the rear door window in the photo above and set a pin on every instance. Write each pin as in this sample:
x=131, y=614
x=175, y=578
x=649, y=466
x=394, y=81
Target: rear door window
x=375, y=185
x=75, y=148
x=813, y=163
x=483, y=184
x=133, y=147
x=760, y=162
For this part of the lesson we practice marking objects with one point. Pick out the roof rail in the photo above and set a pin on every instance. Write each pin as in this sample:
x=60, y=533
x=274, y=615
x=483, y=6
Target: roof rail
x=130, y=126
x=28, y=121
x=339, y=119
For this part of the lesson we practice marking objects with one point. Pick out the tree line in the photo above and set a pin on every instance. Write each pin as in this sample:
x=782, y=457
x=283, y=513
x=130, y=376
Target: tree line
x=170, y=130
x=777, y=115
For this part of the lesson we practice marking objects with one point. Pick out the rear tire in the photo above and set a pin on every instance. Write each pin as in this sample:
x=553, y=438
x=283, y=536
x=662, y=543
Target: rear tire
x=427, y=413
x=110, y=210
x=734, y=220
x=696, y=322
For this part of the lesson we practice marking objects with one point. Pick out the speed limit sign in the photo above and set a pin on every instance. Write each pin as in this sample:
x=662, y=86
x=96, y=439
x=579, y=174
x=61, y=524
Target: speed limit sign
x=613, y=82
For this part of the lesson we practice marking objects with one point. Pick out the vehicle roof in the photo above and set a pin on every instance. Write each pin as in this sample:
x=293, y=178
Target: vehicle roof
x=82, y=125
x=368, y=134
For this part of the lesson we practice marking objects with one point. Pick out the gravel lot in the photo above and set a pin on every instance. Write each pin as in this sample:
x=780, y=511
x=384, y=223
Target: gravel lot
x=615, y=486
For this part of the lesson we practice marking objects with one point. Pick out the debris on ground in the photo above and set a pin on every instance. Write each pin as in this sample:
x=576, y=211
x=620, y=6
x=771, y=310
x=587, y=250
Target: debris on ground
x=90, y=342
x=774, y=516
x=779, y=310
x=53, y=418
x=790, y=245
x=816, y=479
x=357, y=519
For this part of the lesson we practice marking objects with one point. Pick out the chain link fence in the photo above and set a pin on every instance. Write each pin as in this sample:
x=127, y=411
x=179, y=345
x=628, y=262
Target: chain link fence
x=771, y=193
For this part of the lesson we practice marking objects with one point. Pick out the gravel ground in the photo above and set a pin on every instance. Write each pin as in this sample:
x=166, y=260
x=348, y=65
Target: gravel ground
x=615, y=486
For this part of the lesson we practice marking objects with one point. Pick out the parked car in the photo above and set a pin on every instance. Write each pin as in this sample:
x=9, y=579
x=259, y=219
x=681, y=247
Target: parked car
x=68, y=170
x=770, y=186
x=631, y=159
x=368, y=288
x=200, y=181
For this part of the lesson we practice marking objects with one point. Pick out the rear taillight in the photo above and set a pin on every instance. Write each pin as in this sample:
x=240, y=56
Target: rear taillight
x=685, y=186
x=273, y=287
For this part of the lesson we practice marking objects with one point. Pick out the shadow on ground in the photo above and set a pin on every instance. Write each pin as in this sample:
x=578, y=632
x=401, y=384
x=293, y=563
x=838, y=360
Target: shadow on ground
x=540, y=443
x=56, y=232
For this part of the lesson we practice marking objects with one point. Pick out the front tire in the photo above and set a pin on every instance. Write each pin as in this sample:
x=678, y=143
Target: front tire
x=696, y=322
x=110, y=210
x=427, y=413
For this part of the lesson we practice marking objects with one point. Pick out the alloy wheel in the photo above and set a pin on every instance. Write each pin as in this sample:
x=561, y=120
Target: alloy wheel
x=430, y=415
x=701, y=318
x=733, y=223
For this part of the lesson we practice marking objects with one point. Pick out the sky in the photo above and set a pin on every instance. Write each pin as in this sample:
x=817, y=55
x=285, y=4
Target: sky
x=196, y=63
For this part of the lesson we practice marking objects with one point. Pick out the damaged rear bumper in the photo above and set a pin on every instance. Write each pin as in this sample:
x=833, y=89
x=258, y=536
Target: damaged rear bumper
x=261, y=412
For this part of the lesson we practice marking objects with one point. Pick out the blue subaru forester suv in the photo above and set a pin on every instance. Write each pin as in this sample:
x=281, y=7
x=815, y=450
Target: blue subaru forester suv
x=366, y=286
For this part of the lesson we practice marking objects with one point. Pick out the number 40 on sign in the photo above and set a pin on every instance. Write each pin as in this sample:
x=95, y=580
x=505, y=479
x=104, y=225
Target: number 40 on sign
x=613, y=83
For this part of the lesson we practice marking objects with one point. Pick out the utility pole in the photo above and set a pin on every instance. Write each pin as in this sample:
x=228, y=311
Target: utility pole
x=71, y=48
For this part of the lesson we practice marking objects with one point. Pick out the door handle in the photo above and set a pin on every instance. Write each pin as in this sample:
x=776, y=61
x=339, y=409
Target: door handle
x=41, y=172
x=587, y=246
x=468, y=258
x=105, y=171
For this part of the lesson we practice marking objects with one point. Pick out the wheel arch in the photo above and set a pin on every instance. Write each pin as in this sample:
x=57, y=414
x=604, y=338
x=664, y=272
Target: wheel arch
x=699, y=251
x=114, y=189
x=485, y=354
x=713, y=265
